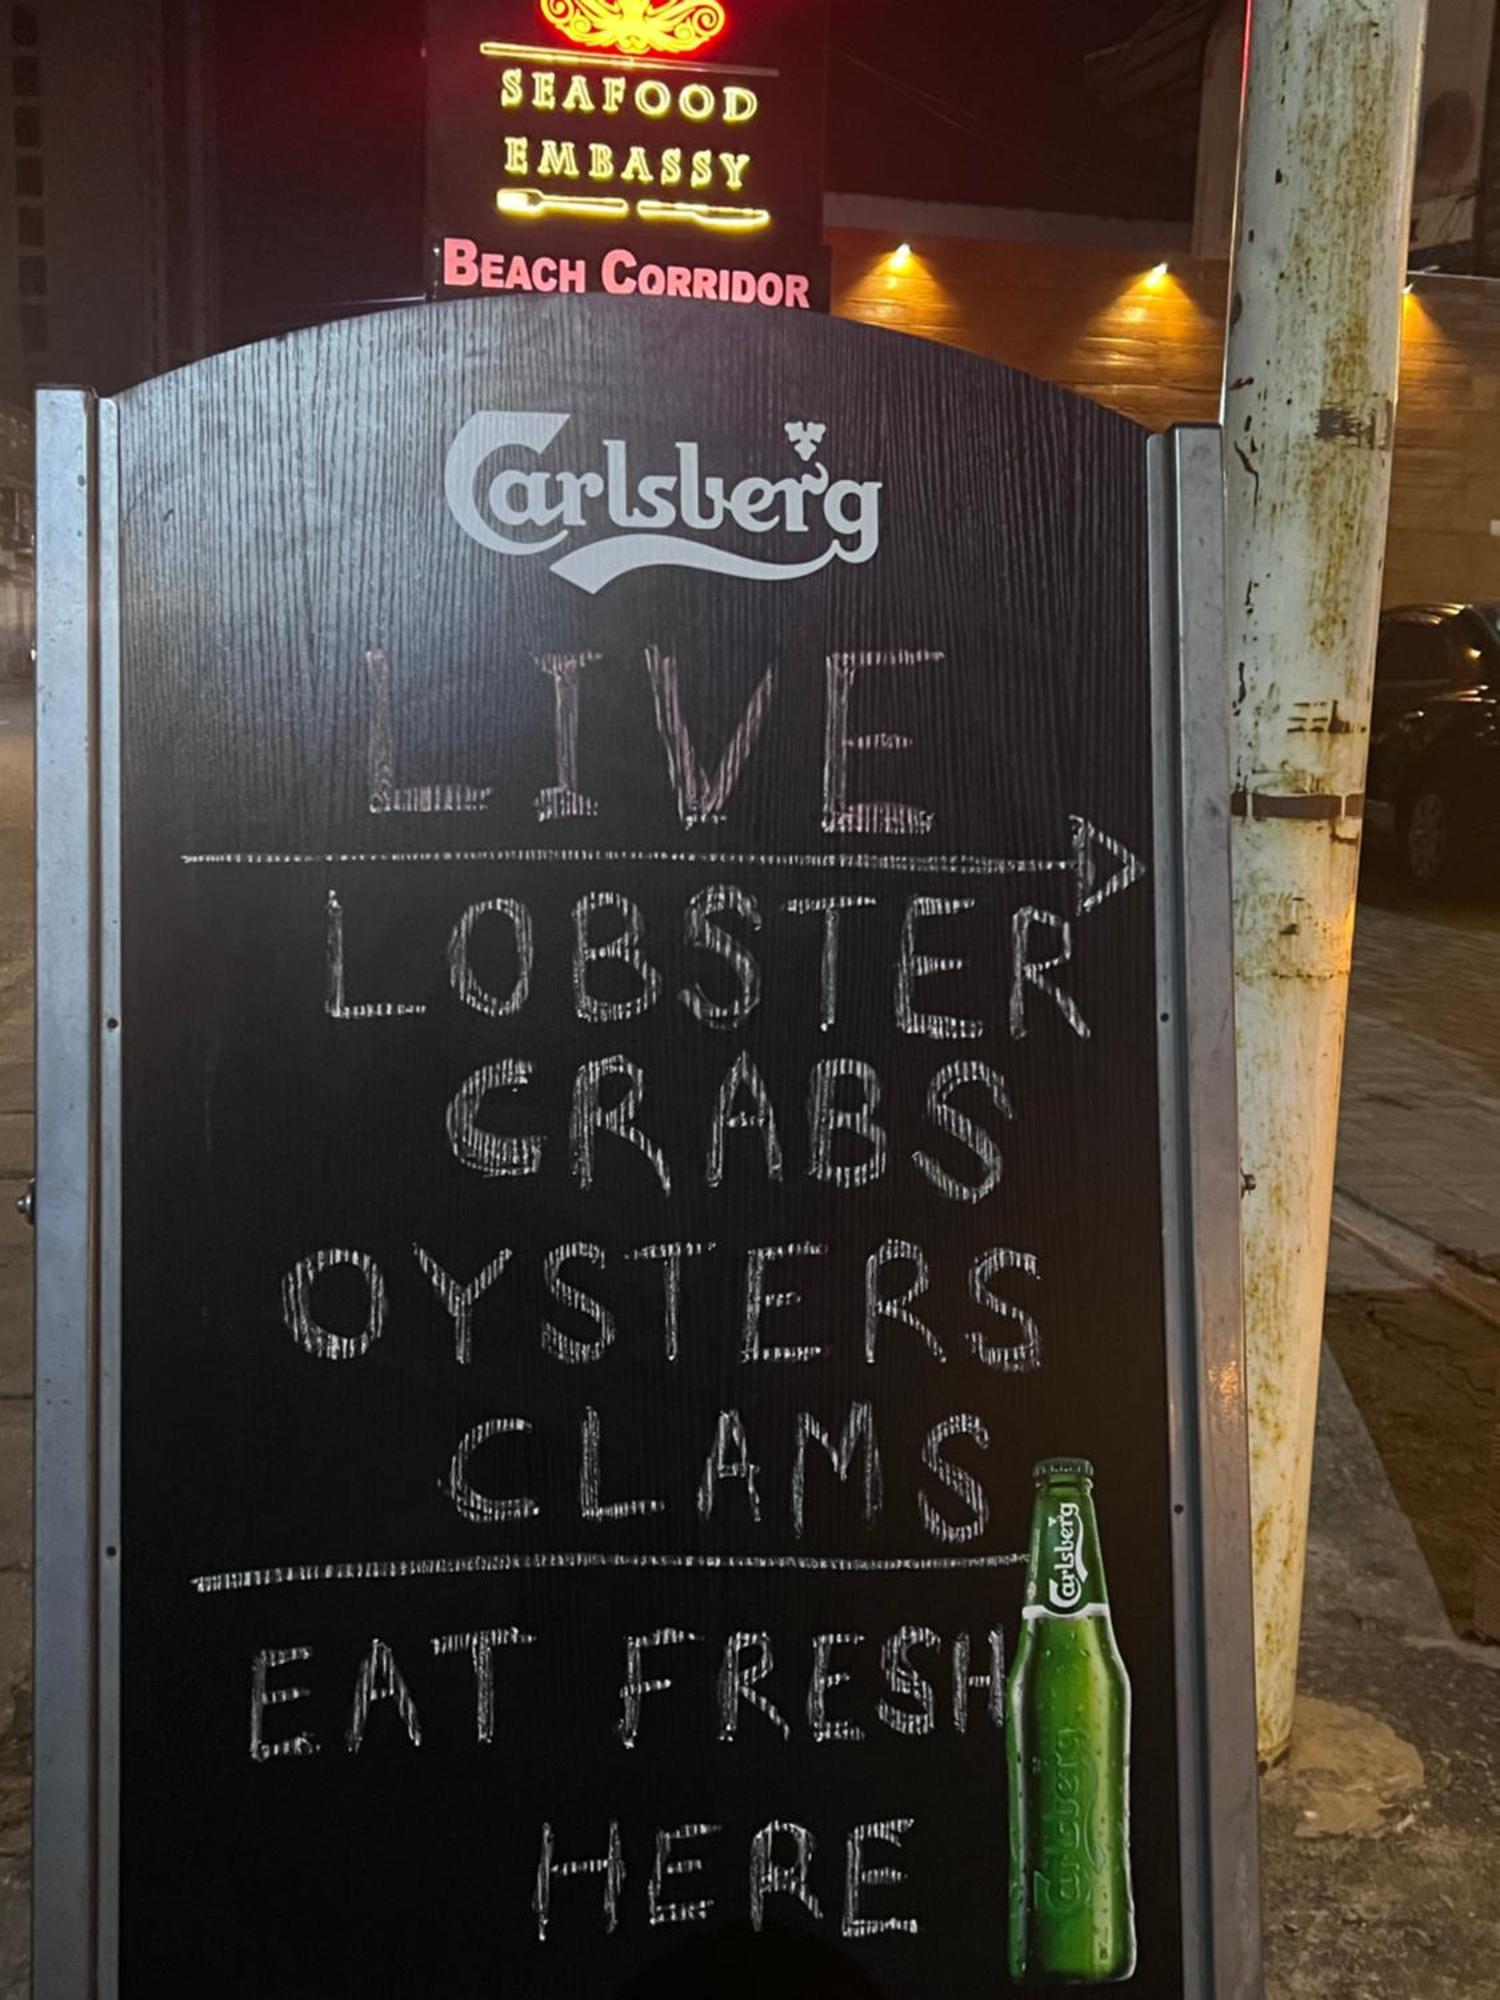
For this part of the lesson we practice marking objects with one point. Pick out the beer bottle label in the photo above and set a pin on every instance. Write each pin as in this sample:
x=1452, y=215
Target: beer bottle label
x=1066, y=1574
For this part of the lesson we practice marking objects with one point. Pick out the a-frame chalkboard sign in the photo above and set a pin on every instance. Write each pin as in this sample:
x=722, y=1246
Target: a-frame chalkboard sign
x=634, y=1022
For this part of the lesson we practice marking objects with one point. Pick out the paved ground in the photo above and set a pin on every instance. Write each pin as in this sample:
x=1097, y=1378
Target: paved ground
x=1381, y=1851
x=1423, y=1374
x=1382, y=1835
x=1419, y=1137
x=1380, y=1857
x=1419, y=1180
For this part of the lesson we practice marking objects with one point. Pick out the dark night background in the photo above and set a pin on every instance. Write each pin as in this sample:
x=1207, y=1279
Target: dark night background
x=321, y=136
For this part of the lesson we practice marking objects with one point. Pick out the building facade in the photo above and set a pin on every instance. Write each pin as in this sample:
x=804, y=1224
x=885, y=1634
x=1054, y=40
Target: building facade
x=106, y=191
x=1140, y=327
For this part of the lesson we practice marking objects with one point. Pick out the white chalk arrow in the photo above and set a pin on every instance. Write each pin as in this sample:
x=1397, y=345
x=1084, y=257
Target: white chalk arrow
x=1089, y=843
x=1092, y=853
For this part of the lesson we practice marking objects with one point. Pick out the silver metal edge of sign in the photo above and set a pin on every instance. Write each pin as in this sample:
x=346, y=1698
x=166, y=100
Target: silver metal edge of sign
x=110, y=1031
x=1201, y=1246
x=63, y=1894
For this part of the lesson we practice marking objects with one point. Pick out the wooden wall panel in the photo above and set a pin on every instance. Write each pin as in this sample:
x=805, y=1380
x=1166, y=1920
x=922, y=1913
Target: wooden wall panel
x=1096, y=322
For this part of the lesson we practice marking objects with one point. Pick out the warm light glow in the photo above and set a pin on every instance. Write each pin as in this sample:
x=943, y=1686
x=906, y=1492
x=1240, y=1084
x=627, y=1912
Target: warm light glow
x=638, y=27
x=533, y=201
x=705, y=216
x=905, y=279
x=1163, y=304
x=1421, y=336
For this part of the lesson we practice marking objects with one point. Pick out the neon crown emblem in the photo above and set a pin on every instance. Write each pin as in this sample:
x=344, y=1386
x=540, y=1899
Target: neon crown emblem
x=637, y=27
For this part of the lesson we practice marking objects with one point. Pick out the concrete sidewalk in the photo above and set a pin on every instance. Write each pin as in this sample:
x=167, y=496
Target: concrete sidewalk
x=1418, y=1179
x=1380, y=1856
x=1419, y=1128
x=1381, y=1833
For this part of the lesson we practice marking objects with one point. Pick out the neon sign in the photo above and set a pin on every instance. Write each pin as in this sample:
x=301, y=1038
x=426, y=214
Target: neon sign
x=579, y=94
x=638, y=27
x=565, y=136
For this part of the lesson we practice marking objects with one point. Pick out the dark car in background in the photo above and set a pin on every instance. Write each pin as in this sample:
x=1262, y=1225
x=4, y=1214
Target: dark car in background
x=1433, y=791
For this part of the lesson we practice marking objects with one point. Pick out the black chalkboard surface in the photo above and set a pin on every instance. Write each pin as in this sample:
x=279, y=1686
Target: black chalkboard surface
x=640, y=1125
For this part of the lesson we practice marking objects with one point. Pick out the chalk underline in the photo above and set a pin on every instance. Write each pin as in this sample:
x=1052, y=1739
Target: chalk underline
x=566, y=1559
x=897, y=864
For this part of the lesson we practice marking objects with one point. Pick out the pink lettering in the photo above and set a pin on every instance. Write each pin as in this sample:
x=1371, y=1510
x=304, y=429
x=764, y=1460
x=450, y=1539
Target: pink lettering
x=572, y=275
x=742, y=287
x=679, y=281
x=705, y=283
x=492, y=271
x=796, y=293
x=460, y=266
x=518, y=277
x=614, y=273
x=770, y=288
x=544, y=273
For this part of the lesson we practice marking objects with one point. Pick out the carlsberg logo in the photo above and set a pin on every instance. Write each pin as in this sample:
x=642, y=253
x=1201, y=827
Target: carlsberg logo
x=611, y=514
x=1069, y=1571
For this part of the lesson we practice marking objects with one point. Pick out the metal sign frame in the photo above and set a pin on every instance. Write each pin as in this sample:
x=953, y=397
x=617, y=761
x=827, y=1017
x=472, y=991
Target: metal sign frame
x=80, y=1030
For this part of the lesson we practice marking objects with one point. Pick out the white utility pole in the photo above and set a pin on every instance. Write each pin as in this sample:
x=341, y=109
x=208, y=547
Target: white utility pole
x=1310, y=366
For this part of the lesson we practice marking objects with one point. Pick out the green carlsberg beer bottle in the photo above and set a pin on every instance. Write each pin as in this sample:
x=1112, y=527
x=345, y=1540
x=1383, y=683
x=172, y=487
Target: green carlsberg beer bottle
x=1068, y=1749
